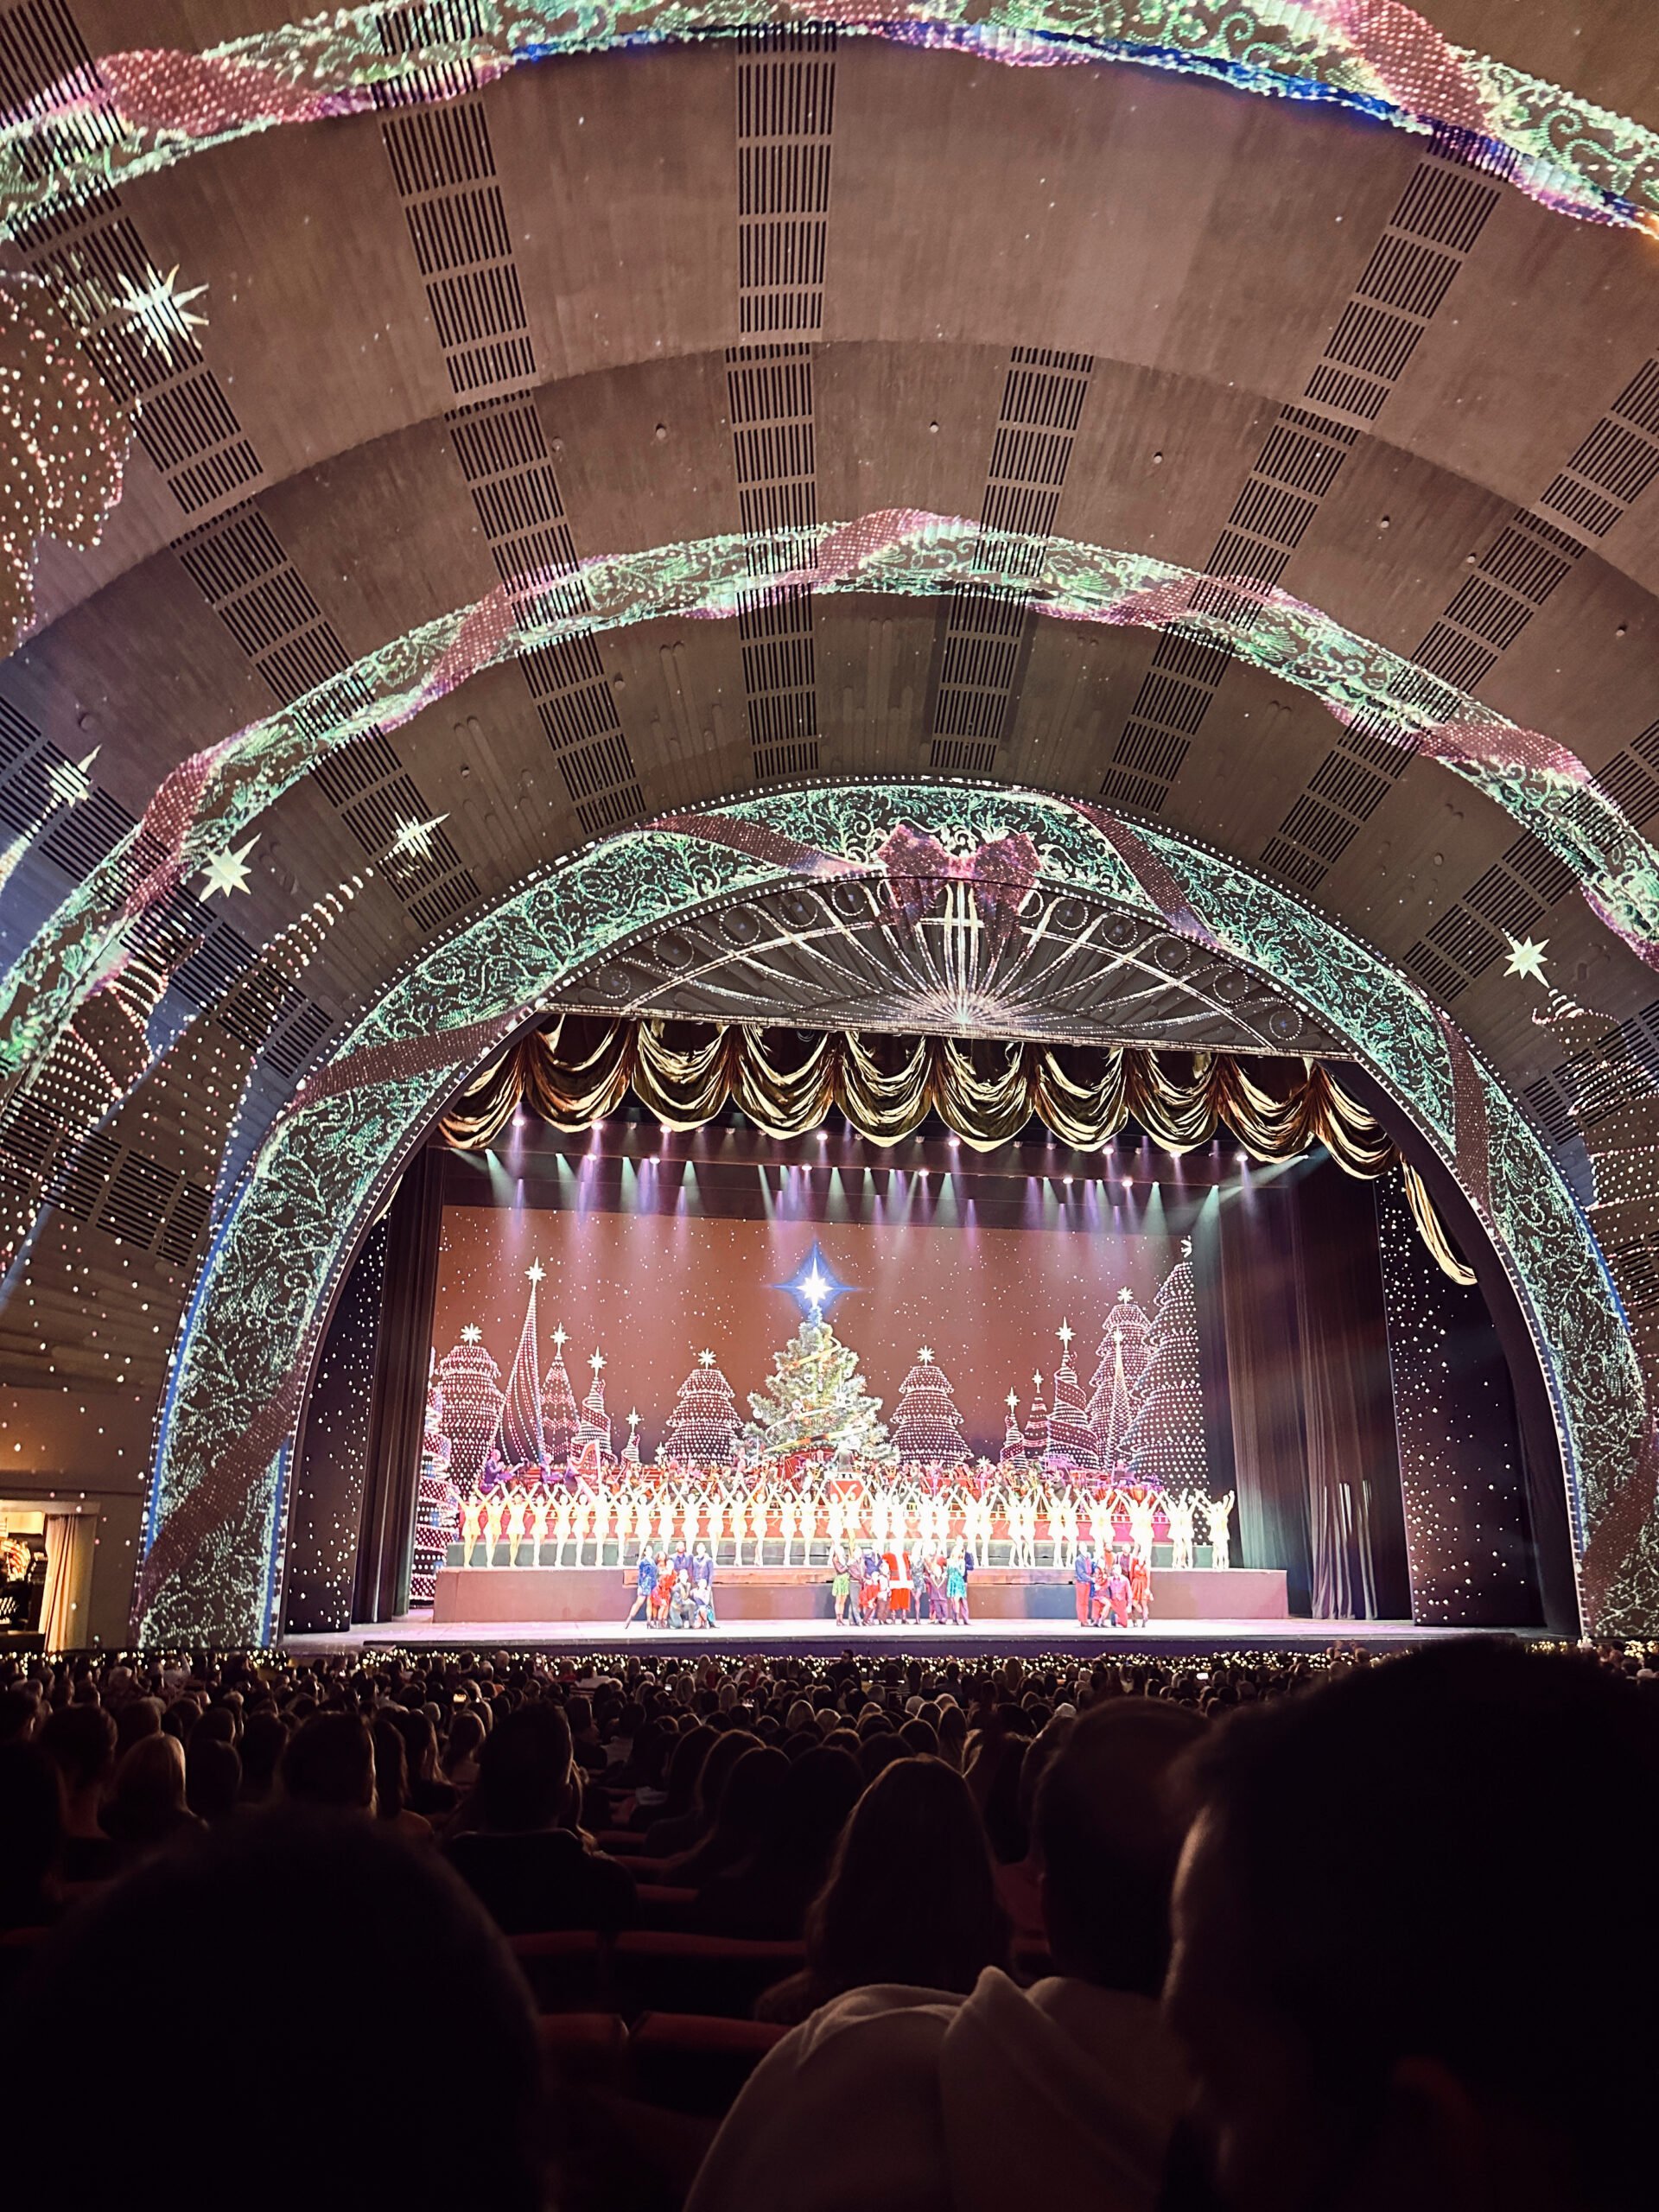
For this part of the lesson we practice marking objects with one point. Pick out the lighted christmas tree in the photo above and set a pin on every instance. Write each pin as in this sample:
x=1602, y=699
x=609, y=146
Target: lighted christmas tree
x=521, y=1442
x=596, y=1428
x=473, y=1399
x=1165, y=1443
x=1128, y=1333
x=1014, y=1443
x=1071, y=1438
x=437, y=1507
x=703, y=1427
x=926, y=1428
x=816, y=1401
x=1117, y=1414
x=1037, y=1425
x=561, y=1417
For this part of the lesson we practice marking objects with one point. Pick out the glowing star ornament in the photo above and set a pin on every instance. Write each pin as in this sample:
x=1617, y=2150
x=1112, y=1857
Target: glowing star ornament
x=705, y=1359
x=536, y=1273
x=161, y=312
x=472, y=1333
x=1526, y=959
x=228, y=871
x=815, y=1286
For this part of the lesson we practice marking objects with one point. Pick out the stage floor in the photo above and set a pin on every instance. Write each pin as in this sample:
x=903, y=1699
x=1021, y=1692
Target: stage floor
x=1160, y=1639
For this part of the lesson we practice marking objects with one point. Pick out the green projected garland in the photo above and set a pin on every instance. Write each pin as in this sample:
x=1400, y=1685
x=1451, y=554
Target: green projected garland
x=209, y=800
x=213, y=1566
x=129, y=114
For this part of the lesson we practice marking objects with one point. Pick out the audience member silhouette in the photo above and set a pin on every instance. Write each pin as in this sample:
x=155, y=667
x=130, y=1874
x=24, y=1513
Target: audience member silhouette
x=1382, y=1999
x=277, y=1939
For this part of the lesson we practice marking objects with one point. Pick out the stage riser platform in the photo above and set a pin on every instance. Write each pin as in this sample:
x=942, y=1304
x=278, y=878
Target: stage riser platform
x=602, y=1596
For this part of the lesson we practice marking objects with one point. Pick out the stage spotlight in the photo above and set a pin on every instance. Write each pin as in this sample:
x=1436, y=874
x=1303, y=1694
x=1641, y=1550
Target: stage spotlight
x=1128, y=1182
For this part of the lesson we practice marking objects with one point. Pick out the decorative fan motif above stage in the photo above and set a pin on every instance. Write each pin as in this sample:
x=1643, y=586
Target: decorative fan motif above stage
x=963, y=943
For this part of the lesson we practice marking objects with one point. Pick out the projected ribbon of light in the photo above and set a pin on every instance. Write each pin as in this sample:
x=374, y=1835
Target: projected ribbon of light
x=211, y=798
x=216, y=1515
x=140, y=111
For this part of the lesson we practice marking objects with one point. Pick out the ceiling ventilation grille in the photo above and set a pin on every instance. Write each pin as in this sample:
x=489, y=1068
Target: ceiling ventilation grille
x=444, y=167
x=99, y=1184
x=985, y=630
x=1436, y=222
x=785, y=114
x=509, y=470
x=1530, y=558
x=769, y=393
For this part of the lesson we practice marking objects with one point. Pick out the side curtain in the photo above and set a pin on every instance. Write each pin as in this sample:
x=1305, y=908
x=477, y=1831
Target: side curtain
x=1264, y=1388
x=1357, y=1534
x=69, y=1540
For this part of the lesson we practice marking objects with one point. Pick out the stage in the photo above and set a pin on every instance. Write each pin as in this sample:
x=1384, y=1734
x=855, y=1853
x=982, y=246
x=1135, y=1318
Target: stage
x=1162, y=1641
x=586, y=1597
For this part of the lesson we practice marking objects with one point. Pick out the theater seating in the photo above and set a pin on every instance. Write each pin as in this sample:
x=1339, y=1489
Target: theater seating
x=691, y=2063
x=663, y=1971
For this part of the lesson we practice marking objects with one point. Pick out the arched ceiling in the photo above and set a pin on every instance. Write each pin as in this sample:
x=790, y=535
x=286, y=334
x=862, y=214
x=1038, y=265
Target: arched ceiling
x=444, y=343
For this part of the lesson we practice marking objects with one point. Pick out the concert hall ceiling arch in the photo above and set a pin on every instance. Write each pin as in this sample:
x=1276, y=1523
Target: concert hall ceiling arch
x=1346, y=399
x=216, y=1513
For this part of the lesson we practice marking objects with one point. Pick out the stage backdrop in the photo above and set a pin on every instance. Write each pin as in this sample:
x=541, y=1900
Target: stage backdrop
x=1209, y=1324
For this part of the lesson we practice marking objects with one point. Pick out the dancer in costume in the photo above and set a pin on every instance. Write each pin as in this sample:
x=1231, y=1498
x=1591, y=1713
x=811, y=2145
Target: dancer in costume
x=1140, y=1590
x=1118, y=1596
x=645, y=1585
x=1083, y=1580
x=703, y=1586
x=956, y=1585
x=841, y=1578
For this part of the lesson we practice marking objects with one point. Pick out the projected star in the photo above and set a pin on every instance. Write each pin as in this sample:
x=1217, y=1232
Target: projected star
x=69, y=781
x=925, y=1356
x=815, y=1286
x=1013, y=1399
x=560, y=1340
x=228, y=871
x=414, y=838
x=1066, y=1333
x=705, y=1359
x=535, y=1271
x=597, y=1363
x=471, y=1334
x=1526, y=959
x=163, y=312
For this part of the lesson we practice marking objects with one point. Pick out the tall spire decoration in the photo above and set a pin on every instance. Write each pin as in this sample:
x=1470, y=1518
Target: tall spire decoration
x=522, y=1442
x=560, y=1418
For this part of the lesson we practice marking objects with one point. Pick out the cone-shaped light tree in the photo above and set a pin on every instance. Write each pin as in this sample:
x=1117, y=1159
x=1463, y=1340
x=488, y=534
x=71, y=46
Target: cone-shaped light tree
x=926, y=1428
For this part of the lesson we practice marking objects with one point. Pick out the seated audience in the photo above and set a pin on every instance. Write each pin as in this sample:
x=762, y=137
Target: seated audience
x=1067, y=2092
x=148, y=1806
x=511, y=1844
x=746, y=1805
x=910, y=1896
x=329, y=1763
x=766, y=1894
x=79, y=1739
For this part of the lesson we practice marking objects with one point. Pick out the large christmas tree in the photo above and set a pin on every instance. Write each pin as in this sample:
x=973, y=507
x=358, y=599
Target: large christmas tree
x=561, y=1418
x=473, y=1399
x=1116, y=1416
x=521, y=1442
x=1166, y=1441
x=1125, y=1341
x=703, y=1427
x=816, y=1401
x=1071, y=1440
x=926, y=1429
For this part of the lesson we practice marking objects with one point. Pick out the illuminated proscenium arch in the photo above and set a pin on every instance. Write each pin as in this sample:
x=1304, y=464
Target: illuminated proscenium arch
x=213, y=1567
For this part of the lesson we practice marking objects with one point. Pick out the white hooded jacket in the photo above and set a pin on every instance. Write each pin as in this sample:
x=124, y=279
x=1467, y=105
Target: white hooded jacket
x=1063, y=2093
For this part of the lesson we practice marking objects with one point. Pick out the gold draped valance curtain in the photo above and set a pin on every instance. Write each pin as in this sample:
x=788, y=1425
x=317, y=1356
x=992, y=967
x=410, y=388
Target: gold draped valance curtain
x=786, y=1085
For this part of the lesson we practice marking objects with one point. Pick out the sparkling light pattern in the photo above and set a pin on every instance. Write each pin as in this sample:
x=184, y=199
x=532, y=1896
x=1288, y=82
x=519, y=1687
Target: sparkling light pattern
x=138, y=112
x=216, y=1507
x=1468, y=1547
x=211, y=797
x=65, y=444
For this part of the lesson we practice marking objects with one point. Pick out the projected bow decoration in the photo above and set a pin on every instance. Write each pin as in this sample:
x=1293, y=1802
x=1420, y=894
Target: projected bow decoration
x=999, y=877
